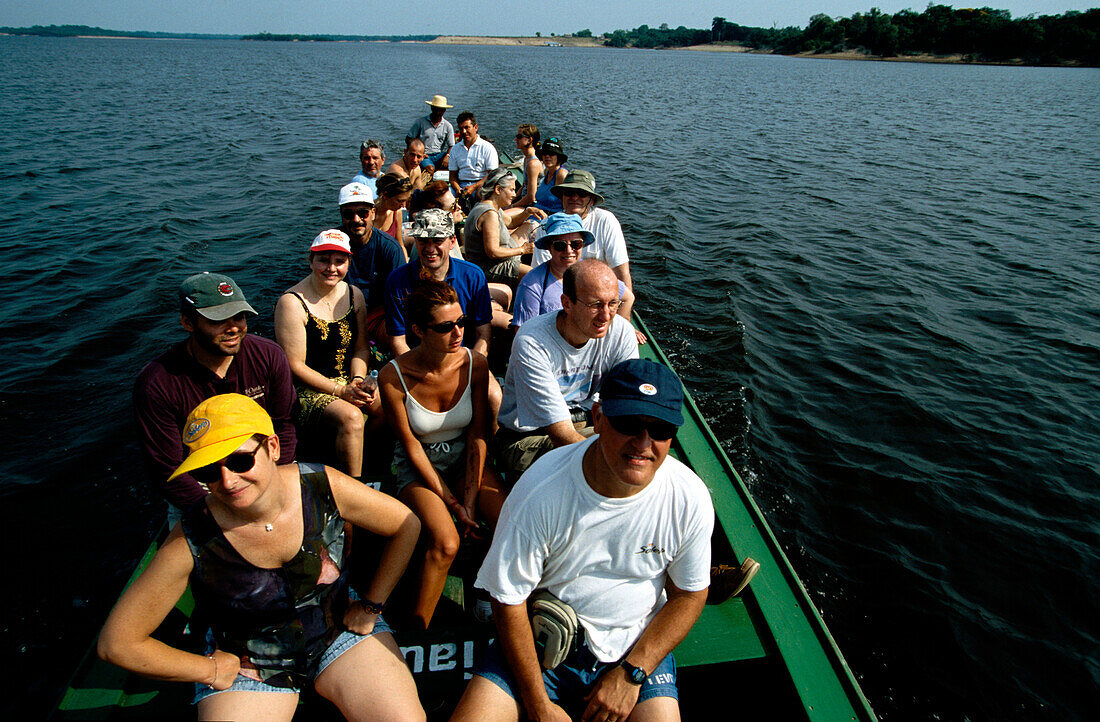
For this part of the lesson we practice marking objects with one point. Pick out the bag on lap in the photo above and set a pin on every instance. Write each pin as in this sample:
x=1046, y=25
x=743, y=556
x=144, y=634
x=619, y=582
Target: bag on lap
x=555, y=627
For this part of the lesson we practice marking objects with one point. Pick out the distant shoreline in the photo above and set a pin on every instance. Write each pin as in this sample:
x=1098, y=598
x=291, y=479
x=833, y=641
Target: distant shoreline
x=572, y=42
x=725, y=47
x=597, y=42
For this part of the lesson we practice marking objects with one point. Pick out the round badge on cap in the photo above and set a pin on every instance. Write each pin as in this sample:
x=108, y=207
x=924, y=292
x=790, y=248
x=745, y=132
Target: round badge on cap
x=225, y=289
x=648, y=389
x=195, y=430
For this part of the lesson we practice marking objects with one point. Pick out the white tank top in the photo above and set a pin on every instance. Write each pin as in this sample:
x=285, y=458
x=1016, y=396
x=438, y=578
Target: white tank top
x=432, y=427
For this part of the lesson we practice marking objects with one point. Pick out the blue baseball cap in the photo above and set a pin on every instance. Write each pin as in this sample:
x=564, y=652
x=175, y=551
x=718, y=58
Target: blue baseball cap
x=638, y=387
x=559, y=224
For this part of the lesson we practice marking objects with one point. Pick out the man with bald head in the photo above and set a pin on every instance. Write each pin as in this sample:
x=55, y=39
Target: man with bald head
x=408, y=165
x=557, y=362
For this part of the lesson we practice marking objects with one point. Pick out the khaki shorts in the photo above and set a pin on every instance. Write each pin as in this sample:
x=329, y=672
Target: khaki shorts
x=517, y=451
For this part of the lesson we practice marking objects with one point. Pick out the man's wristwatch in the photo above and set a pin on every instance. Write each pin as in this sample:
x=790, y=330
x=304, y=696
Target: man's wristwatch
x=636, y=675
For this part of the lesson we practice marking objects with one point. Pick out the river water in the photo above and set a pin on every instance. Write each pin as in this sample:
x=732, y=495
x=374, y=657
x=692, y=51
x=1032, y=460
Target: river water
x=879, y=280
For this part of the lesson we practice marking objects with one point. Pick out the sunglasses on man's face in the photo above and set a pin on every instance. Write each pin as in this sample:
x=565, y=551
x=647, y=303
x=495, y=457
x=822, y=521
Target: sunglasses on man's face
x=448, y=326
x=349, y=213
x=635, y=425
x=562, y=246
x=238, y=462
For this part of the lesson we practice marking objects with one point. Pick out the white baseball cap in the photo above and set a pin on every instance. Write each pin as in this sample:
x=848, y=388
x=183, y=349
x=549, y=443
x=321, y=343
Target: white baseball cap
x=356, y=193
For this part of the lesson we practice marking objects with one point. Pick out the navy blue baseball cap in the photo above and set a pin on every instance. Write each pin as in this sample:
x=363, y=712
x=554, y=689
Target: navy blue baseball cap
x=642, y=388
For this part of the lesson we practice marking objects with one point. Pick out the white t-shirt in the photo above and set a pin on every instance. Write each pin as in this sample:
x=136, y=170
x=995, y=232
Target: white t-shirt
x=610, y=246
x=473, y=163
x=607, y=558
x=547, y=375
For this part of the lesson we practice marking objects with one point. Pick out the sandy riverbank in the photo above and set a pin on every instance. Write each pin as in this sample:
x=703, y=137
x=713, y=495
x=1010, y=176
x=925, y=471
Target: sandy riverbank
x=485, y=40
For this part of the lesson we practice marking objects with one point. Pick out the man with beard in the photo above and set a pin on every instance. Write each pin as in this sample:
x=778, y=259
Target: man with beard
x=217, y=357
x=374, y=256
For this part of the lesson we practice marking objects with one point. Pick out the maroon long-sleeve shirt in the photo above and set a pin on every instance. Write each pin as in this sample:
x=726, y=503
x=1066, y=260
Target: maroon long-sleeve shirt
x=169, y=387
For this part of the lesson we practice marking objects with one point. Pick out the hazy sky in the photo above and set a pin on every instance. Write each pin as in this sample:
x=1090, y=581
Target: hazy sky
x=455, y=17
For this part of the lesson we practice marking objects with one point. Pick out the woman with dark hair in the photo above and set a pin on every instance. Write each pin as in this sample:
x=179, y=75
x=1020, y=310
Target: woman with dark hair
x=553, y=161
x=437, y=194
x=437, y=402
x=394, y=192
x=527, y=142
x=266, y=557
x=320, y=322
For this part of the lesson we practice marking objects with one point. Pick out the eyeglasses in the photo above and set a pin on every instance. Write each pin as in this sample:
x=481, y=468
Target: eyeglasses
x=561, y=246
x=574, y=192
x=521, y=135
x=349, y=213
x=238, y=462
x=448, y=326
x=635, y=425
x=612, y=306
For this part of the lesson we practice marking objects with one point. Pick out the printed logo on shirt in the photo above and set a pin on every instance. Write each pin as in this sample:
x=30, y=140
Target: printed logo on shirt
x=650, y=549
x=254, y=392
x=195, y=430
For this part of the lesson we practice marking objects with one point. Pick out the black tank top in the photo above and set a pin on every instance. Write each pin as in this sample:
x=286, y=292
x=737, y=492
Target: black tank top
x=330, y=345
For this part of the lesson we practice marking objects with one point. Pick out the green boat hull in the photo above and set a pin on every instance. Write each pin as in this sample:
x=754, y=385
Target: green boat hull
x=767, y=649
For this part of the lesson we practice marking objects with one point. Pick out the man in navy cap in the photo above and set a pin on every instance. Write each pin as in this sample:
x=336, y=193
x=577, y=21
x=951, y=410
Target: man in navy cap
x=217, y=357
x=619, y=532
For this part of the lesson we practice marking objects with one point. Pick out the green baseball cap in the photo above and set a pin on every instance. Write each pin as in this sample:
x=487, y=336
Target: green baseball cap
x=580, y=180
x=213, y=296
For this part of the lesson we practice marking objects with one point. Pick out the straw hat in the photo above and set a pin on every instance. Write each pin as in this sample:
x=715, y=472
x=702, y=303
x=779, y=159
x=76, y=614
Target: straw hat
x=438, y=101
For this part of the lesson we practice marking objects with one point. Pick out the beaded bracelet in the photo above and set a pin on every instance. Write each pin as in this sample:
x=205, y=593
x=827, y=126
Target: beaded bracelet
x=215, y=661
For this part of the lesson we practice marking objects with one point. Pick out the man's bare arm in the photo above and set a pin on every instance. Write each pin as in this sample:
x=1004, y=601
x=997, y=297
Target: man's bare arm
x=614, y=693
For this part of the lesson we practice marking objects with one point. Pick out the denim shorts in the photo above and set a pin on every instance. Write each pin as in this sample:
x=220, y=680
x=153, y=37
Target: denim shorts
x=569, y=682
x=343, y=642
x=434, y=159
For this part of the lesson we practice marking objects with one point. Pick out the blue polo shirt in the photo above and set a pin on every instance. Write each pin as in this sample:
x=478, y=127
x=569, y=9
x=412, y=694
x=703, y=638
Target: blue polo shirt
x=372, y=264
x=465, y=278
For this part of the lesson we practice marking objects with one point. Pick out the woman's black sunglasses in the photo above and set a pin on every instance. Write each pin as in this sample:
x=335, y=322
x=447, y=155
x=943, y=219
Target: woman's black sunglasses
x=562, y=246
x=238, y=462
x=634, y=425
x=448, y=326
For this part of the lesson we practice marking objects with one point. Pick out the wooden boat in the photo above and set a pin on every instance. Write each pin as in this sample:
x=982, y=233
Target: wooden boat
x=765, y=652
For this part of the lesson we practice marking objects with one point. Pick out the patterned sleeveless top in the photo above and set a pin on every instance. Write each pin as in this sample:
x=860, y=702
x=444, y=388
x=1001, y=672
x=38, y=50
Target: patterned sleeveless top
x=279, y=620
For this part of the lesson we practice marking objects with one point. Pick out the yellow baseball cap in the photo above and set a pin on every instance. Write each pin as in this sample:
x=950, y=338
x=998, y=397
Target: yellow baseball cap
x=217, y=426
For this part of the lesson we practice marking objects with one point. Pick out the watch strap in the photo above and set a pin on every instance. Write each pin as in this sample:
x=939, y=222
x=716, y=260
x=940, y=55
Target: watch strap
x=636, y=675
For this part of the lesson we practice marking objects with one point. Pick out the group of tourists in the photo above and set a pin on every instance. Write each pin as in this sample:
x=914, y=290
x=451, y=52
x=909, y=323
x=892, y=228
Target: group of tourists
x=564, y=463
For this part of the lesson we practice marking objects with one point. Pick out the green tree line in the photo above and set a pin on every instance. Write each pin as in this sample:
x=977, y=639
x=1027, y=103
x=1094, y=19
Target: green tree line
x=978, y=34
x=66, y=31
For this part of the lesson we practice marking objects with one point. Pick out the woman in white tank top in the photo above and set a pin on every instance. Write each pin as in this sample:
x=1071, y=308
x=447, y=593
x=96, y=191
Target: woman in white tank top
x=436, y=399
